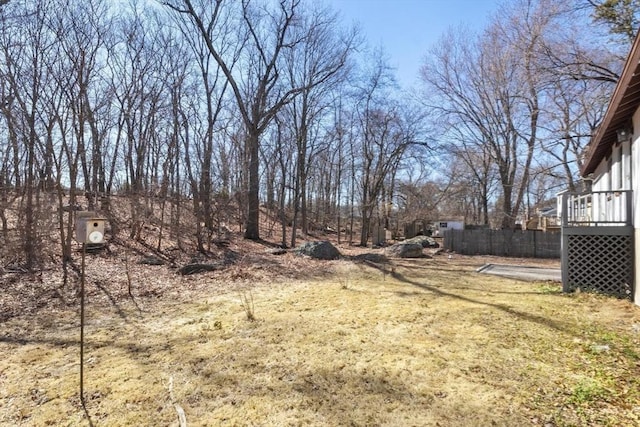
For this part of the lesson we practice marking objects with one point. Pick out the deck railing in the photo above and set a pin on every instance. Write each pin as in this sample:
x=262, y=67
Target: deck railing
x=597, y=208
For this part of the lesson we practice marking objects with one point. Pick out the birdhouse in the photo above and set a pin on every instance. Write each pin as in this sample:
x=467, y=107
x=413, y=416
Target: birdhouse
x=89, y=228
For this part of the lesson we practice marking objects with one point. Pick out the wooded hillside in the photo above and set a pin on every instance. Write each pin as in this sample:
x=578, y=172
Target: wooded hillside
x=198, y=117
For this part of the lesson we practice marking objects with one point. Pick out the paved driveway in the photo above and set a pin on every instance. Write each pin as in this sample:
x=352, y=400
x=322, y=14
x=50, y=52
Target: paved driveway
x=530, y=274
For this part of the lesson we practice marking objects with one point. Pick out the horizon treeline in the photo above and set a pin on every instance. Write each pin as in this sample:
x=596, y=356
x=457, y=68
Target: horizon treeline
x=210, y=114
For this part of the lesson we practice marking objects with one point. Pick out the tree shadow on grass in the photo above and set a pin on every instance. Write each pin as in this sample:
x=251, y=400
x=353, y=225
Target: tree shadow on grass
x=112, y=299
x=389, y=267
x=543, y=321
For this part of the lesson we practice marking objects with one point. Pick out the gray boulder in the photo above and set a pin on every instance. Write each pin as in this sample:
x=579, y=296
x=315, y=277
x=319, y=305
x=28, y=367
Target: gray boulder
x=425, y=241
x=404, y=250
x=319, y=250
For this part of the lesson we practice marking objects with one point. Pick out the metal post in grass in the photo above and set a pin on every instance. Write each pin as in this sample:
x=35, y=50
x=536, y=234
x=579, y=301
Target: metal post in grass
x=84, y=253
x=89, y=229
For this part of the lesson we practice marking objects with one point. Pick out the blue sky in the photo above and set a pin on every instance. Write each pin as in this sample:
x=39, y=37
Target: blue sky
x=406, y=29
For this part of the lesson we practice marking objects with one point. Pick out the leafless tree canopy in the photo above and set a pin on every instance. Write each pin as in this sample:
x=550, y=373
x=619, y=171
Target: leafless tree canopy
x=198, y=117
x=519, y=102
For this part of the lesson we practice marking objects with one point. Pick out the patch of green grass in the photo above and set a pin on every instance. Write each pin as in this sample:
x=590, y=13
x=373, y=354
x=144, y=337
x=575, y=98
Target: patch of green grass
x=550, y=289
x=587, y=390
x=630, y=352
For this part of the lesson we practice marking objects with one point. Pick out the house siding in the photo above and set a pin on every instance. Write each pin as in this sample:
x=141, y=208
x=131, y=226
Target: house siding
x=635, y=185
x=618, y=171
x=612, y=174
x=601, y=176
x=613, y=168
x=626, y=166
x=634, y=169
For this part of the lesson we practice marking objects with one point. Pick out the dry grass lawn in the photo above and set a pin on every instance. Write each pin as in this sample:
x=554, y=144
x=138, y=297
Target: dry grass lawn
x=425, y=342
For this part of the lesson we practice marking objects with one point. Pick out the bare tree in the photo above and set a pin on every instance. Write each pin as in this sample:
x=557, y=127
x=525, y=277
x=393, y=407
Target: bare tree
x=493, y=92
x=578, y=46
x=384, y=134
x=476, y=96
x=135, y=70
x=265, y=33
x=26, y=49
x=577, y=108
x=208, y=106
x=322, y=45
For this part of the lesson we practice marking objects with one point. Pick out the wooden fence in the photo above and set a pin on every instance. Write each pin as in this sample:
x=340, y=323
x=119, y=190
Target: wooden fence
x=511, y=243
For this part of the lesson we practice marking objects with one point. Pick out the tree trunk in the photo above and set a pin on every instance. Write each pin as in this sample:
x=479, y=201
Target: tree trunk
x=366, y=224
x=252, y=225
x=508, y=221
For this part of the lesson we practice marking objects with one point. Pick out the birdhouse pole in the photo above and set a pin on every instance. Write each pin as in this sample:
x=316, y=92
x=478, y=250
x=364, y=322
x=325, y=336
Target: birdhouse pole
x=84, y=253
x=89, y=229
